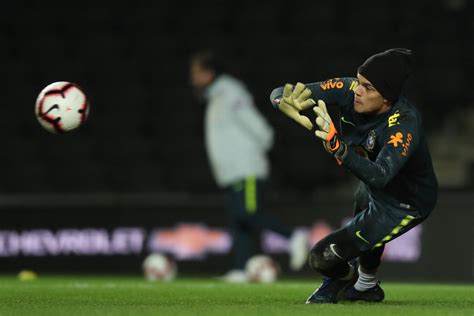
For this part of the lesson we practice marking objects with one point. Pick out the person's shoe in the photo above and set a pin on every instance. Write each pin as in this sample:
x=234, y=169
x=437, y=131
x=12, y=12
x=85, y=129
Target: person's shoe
x=234, y=276
x=331, y=290
x=374, y=294
x=298, y=250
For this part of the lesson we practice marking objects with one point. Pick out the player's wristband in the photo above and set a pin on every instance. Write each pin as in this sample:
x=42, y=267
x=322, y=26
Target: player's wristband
x=341, y=153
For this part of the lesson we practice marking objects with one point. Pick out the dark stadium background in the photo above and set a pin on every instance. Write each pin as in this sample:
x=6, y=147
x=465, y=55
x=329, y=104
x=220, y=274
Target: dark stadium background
x=140, y=160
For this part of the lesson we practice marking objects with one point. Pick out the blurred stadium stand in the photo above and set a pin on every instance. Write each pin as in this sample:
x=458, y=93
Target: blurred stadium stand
x=145, y=128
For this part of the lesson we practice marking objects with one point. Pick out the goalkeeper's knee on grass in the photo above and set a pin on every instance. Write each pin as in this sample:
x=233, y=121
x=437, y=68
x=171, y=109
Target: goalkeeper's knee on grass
x=326, y=260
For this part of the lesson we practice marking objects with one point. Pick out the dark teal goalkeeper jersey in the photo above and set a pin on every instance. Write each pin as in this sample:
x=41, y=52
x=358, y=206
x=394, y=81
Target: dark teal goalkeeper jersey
x=398, y=170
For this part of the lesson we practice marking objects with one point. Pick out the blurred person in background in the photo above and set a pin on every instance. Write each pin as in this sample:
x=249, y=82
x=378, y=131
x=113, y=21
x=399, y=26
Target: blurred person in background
x=237, y=140
x=380, y=139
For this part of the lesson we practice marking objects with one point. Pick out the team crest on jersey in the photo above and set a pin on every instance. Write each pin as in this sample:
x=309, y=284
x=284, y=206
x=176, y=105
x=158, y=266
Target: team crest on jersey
x=370, y=143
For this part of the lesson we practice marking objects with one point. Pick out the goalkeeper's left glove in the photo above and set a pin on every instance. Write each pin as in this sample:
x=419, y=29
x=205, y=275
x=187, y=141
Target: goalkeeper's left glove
x=295, y=100
x=327, y=132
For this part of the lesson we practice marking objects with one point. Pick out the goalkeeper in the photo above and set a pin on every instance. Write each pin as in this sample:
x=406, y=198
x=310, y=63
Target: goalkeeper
x=380, y=139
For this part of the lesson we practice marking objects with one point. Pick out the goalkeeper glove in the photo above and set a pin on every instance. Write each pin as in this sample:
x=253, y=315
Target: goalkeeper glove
x=296, y=100
x=327, y=132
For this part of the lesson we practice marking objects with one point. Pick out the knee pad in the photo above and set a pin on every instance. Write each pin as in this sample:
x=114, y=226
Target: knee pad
x=325, y=257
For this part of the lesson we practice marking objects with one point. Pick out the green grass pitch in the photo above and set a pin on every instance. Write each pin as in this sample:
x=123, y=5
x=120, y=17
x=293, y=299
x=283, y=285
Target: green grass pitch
x=134, y=296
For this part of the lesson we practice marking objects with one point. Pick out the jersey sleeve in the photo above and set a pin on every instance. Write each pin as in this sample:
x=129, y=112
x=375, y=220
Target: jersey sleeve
x=338, y=91
x=399, y=143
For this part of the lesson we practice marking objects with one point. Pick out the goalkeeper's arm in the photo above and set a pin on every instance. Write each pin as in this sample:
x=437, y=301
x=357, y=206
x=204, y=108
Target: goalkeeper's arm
x=339, y=91
x=391, y=158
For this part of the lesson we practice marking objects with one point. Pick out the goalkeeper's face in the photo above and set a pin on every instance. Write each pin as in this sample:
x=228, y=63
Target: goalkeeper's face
x=367, y=99
x=200, y=76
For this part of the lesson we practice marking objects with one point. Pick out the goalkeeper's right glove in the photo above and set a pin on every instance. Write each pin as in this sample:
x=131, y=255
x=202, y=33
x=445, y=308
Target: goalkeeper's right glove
x=296, y=100
x=327, y=132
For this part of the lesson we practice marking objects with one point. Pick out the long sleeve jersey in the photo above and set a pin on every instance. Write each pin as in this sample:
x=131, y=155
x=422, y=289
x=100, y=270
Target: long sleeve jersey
x=387, y=151
x=237, y=136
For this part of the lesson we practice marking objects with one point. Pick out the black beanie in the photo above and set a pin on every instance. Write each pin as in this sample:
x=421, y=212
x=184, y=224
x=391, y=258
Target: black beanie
x=388, y=70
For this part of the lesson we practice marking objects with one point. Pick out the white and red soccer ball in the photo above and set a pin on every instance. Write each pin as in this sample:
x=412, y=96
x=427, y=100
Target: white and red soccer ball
x=262, y=269
x=159, y=267
x=61, y=107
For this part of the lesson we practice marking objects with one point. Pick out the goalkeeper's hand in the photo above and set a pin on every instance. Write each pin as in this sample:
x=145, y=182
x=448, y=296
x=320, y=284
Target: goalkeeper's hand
x=327, y=131
x=296, y=100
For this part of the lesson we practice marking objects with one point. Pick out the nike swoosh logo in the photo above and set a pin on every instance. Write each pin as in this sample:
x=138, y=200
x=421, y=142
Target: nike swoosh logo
x=360, y=236
x=331, y=246
x=346, y=121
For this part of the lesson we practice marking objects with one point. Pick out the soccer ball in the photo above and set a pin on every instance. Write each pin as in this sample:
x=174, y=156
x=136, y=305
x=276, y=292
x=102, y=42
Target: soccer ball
x=61, y=107
x=158, y=267
x=262, y=269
